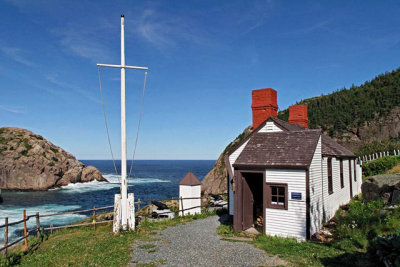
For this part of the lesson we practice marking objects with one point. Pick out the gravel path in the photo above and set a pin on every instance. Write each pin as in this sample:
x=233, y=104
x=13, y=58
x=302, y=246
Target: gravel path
x=198, y=244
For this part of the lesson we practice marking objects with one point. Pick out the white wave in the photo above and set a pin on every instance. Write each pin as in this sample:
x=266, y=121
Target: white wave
x=114, y=182
x=15, y=213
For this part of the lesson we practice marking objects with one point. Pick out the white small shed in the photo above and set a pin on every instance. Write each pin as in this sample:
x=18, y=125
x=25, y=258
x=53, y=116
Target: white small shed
x=189, y=187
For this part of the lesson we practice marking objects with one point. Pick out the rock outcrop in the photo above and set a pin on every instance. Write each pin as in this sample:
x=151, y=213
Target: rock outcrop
x=380, y=187
x=30, y=162
x=215, y=182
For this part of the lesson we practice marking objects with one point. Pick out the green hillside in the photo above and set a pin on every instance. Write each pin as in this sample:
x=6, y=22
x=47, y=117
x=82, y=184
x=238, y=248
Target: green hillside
x=348, y=110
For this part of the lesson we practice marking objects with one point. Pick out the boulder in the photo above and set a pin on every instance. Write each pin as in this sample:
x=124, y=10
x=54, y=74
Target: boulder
x=380, y=187
x=30, y=162
x=90, y=173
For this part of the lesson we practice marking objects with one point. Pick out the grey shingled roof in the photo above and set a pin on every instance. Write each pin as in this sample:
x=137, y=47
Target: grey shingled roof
x=286, y=125
x=279, y=149
x=190, y=179
x=331, y=148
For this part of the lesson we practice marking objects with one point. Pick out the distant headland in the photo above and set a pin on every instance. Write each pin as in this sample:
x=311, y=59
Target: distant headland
x=30, y=162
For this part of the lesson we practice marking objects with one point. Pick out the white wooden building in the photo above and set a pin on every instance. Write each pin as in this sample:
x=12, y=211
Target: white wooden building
x=286, y=179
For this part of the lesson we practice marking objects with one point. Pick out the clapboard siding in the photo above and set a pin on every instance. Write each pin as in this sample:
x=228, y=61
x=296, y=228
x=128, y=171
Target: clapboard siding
x=359, y=179
x=290, y=222
x=340, y=196
x=270, y=127
x=235, y=154
x=316, y=194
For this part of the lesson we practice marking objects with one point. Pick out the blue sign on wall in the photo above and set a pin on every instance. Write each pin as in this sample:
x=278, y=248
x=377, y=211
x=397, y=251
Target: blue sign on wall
x=296, y=196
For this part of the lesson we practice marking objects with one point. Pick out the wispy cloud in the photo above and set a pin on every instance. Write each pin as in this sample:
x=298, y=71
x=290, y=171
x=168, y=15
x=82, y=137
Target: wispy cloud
x=74, y=88
x=12, y=109
x=86, y=41
x=311, y=28
x=16, y=54
x=166, y=31
x=255, y=15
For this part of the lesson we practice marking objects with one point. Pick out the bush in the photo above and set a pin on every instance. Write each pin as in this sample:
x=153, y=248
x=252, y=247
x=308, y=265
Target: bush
x=388, y=249
x=380, y=166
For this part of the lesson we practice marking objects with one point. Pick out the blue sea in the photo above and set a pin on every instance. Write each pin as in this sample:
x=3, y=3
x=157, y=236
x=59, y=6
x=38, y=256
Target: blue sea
x=150, y=179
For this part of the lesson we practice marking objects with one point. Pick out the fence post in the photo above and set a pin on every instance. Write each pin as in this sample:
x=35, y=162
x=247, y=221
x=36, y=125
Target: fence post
x=37, y=224
x=25, y=231
x=138, y=205
x=94, y=218
x=51, y=228
x=182, y=205
x=5, y=236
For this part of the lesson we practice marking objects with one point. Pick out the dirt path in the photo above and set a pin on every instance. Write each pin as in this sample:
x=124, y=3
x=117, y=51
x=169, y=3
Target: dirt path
x=198, y=244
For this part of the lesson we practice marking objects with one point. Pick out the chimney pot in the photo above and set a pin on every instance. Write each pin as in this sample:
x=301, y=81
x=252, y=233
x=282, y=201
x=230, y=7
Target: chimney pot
x=298, y=115
x=264, y=105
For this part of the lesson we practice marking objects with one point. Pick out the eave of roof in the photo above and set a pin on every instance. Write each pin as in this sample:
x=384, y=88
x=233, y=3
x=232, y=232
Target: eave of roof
x=190, y=179
x=280, y=149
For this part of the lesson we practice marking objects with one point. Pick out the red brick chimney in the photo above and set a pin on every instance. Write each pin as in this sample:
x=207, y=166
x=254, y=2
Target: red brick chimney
x=264, y=105
x=298, y=115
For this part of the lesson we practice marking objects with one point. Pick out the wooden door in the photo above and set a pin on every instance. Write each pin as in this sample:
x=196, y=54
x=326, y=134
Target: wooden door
x=248, y=205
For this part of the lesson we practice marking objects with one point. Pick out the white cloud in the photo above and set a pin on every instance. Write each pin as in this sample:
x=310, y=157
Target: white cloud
x=16, y=54
x=75, y=88
x=12, y=109
x=86, y=41
x=165, y=31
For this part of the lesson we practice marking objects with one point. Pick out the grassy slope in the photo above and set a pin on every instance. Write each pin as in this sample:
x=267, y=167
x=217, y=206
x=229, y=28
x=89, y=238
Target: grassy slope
x=357, y=226
x=85, y=247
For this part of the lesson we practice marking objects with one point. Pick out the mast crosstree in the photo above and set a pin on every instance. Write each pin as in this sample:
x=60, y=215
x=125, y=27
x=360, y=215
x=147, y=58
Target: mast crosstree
x=124, y=210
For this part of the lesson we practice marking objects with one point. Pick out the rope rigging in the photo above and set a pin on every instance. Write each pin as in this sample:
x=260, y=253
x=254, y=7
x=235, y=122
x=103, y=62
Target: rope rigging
x=140, y=119
x=106, y=124
x=138, y=128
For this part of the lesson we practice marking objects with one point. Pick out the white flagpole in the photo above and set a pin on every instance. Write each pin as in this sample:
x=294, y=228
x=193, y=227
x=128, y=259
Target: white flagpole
x=124, y=185
x=123, y=204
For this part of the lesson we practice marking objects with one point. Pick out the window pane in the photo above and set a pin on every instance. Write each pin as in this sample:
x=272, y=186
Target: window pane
x=274, y=199
x=281, y=201
x=281, y=191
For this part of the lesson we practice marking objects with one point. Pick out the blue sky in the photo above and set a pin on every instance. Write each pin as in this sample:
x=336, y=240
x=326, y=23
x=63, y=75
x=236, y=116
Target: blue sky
x=205, y=57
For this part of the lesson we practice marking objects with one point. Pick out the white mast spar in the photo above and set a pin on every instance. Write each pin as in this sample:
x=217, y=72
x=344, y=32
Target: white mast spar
x=122, y=207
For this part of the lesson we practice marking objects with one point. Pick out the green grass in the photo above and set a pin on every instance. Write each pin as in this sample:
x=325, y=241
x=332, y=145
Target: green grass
x=358, y=225
x=85, y=246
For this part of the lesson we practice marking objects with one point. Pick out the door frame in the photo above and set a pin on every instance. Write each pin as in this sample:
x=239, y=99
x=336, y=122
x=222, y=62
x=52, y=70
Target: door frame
x=238, y=197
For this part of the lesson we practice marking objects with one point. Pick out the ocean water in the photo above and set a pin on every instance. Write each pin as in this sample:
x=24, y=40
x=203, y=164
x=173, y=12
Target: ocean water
x=150, y=179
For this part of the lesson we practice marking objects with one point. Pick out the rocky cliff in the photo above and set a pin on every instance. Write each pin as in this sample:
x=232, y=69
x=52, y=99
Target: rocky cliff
x=215, y=181
x=30, y=162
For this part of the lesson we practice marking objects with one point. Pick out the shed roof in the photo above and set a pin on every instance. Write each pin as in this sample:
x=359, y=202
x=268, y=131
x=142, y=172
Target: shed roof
x=332, y=148
x=293, y=149
x=190, y=179
x=329, y=146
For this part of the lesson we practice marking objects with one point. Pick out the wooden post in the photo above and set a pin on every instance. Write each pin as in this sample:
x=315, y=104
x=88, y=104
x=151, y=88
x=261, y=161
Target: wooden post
x=25, y=231
x=182, y=205
x=5, y=236
x=138, y=205
x=51, y=228
x=37, y=225
x=94, y=218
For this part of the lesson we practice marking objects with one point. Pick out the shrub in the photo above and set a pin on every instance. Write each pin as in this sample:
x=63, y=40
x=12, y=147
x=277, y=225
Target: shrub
x=380, y=166
x=27, y=145
x=388, y=249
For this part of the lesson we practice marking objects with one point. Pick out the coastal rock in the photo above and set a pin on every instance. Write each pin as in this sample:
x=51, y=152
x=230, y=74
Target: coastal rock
x=380, y=187
x=215, y=182
x=30, y=162
x=90, y=173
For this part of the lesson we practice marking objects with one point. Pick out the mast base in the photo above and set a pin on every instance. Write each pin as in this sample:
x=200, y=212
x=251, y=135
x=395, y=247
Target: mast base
x=117, y=223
